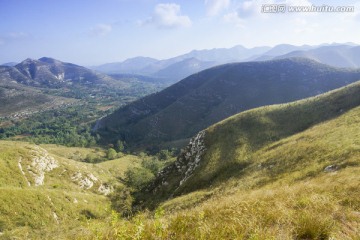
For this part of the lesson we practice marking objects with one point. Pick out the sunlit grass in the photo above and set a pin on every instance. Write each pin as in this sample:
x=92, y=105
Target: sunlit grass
x=263, y=177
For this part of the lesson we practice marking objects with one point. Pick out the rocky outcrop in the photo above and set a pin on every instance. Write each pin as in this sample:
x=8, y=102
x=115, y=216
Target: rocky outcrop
x=39, y=163
x=183, y=168
x=85, y=181
x=190, y=158
x=89, y=181
x=105, y=189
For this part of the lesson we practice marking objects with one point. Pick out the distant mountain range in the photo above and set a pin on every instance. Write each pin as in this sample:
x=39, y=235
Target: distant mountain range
x=36, y=85
x=338, y=56
x=202, y=99
x=48, y=72
x=177, y=68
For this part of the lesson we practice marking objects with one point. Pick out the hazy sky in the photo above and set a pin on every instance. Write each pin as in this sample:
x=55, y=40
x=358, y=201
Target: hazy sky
x=90, y=32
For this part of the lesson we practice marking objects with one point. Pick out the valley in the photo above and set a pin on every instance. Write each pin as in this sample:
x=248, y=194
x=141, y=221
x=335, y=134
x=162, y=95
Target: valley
x=35, y=93
x=180, y=120
x=265, y=149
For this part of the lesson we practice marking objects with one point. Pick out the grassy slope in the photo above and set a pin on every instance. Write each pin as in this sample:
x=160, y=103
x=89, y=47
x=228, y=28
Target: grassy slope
x=233, y=145
x=273, y=185
x=28, y=211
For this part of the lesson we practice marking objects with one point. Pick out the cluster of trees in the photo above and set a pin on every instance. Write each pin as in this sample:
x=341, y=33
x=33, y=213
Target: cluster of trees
x=69, y=127
x=137, y=178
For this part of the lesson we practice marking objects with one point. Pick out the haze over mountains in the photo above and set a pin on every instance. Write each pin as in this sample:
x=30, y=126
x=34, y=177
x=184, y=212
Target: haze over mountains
x=338, y=56
x=177, y=68
x=205, y=98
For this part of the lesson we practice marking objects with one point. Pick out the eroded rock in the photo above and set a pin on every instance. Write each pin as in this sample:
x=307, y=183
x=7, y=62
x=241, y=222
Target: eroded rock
x=40, y=163
x=185, y=165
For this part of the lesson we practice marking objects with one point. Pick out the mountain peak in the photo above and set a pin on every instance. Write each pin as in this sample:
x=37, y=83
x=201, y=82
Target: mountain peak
x=28, y=60
x=49, y=60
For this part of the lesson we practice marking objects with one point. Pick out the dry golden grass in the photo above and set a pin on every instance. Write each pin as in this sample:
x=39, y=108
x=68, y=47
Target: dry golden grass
x=282, y=192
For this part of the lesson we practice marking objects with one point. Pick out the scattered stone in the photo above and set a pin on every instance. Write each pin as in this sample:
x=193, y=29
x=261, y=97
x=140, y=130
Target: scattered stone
x=92, y=177
x=56, y=218
x=84, y=182
x=331, y=168
x=22, y=171
x=105, y=189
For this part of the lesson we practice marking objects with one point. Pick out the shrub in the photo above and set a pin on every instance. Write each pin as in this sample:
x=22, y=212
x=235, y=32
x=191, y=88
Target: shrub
x=121, y=200
x=111, y=154
x=138, y=178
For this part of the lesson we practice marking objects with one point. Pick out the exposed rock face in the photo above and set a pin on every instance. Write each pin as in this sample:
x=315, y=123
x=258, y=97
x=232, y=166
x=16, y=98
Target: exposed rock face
x=34, y=166
x=85, y=182
x=190, y=158
x=40, y=163
x=89, y=181
x=183, y=168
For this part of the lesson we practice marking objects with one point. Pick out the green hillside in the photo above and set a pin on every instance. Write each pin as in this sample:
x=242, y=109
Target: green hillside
x=203, y=99
x=233, y=145
x=287, y=171
x=45, y=191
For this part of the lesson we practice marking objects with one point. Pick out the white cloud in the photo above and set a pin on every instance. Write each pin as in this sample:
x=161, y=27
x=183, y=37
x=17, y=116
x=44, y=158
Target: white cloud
x=248, y=9
x=100, y=30
x=234, y=18
x=300, y=22
x=168, y=15
x=214, y=7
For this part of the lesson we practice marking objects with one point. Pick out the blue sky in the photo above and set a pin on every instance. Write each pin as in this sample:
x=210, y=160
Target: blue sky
x=90, y=32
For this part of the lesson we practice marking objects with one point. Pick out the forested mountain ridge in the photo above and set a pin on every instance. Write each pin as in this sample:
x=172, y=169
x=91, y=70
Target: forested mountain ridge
x=202, y=99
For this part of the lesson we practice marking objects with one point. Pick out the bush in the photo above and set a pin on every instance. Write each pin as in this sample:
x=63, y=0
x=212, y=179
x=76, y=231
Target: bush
x=138, y=178
x=111, y=154
x=121, y=200
x=164, y=155
x=152, y=164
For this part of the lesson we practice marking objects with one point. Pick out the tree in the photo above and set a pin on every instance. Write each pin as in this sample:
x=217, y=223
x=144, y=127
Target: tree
x=120, y=146
x=111, y=154
x=121, y=200
x=152, y=164
x=164, y=155
x=138, y=178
